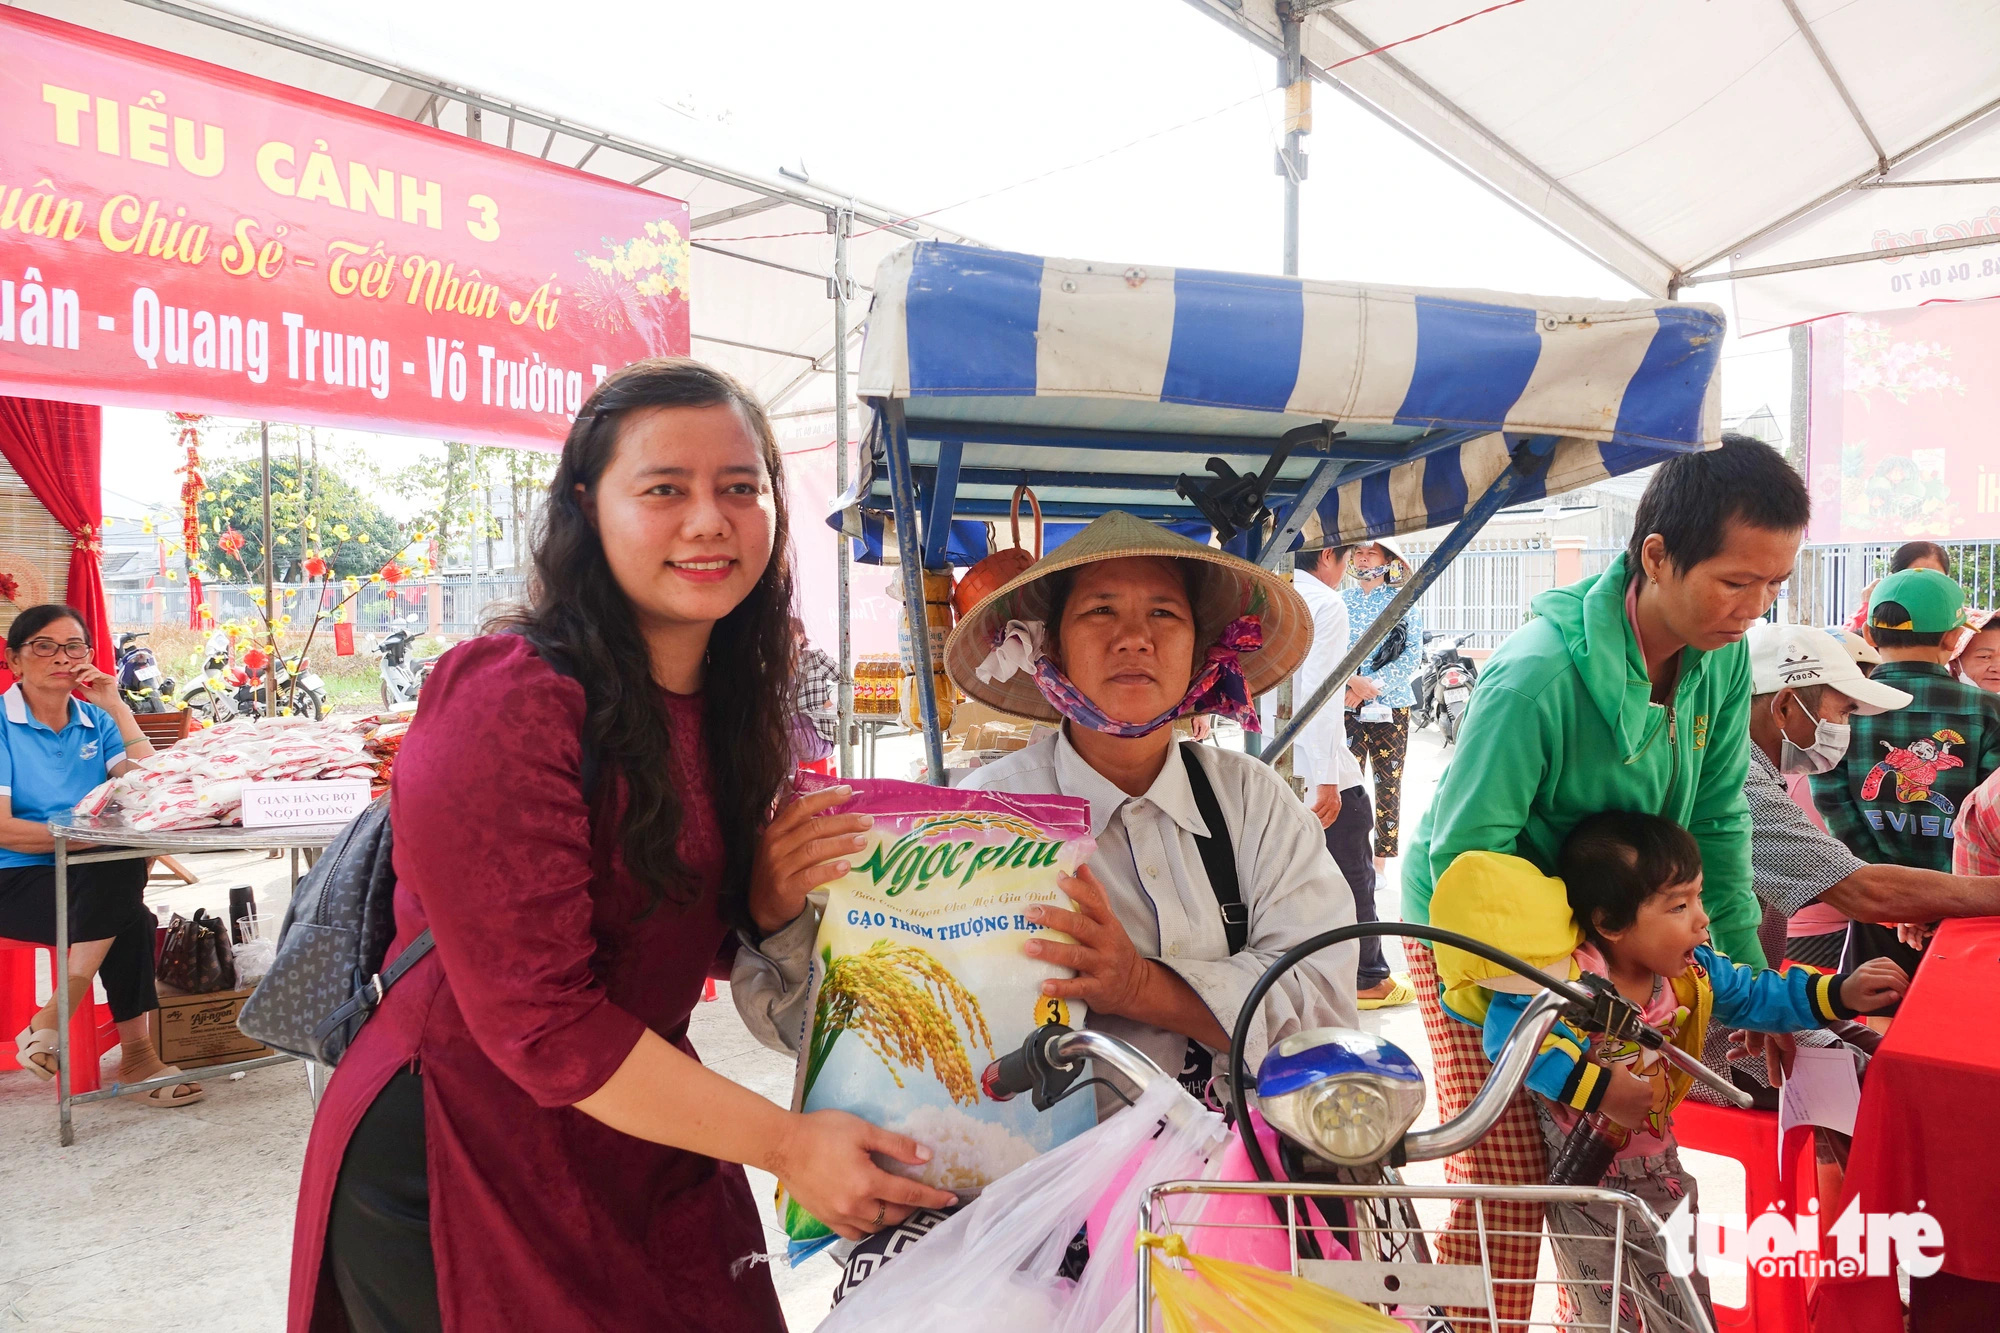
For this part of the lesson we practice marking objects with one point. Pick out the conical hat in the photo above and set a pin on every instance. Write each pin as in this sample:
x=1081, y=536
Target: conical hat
x=1225, y=587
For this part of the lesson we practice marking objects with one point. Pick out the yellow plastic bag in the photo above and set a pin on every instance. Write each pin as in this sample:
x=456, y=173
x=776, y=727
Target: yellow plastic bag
x=1223, y=1296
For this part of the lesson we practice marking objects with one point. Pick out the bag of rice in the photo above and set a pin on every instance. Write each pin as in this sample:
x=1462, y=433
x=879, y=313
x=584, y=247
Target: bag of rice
x=919, y=982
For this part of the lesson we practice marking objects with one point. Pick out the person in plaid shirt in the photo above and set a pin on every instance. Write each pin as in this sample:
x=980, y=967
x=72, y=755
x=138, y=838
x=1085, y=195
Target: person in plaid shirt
x=1975, y=846
x=818, y=685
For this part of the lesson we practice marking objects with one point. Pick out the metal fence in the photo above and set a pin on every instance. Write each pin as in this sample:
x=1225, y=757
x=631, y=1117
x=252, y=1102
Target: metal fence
x=1831, y=581
x=465, y=601
x=1485, y=592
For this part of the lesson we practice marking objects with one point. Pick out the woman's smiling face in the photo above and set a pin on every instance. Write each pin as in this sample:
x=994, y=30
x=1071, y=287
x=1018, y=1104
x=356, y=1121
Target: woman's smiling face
x=1981, y=659
x=1127, y=636
x=685, y=512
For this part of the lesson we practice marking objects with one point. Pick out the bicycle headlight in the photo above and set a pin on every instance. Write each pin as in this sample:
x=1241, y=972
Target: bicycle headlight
x=1348, y=1096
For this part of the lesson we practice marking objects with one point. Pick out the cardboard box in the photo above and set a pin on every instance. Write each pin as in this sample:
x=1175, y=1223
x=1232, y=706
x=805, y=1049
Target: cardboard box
x=194, y=1031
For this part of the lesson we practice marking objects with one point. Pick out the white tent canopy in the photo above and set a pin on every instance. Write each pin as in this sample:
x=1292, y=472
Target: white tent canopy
x=761, y=308
x=1668, y=139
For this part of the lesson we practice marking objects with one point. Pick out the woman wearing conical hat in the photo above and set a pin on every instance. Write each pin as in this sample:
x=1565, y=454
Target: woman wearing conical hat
x=1115, y=635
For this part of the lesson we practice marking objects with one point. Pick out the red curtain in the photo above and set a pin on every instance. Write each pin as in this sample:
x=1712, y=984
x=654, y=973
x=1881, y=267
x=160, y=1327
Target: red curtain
x=55, y=447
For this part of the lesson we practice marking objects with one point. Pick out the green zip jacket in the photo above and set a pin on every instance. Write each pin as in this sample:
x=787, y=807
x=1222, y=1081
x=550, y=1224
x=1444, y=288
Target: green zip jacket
x=1563, y=725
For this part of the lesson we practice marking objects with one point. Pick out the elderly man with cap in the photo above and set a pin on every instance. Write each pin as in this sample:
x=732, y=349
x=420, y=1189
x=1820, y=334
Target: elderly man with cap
x=1805, y=690
x=1894, y=795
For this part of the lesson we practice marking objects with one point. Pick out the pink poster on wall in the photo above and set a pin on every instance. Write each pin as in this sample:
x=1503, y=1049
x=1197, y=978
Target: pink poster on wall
x=1905, y=428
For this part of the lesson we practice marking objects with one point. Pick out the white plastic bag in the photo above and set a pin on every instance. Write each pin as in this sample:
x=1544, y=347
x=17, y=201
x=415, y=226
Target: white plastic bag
x=993, y=1265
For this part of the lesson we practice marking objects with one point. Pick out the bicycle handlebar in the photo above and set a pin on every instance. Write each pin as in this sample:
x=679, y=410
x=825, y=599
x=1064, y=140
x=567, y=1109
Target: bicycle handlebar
x=1583, y=1005
x=1048, y=1061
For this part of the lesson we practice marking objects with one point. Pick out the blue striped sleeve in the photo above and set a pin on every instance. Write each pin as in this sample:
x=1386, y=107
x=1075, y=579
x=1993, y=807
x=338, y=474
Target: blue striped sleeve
x=1763, y=1000
x=1560, y=1072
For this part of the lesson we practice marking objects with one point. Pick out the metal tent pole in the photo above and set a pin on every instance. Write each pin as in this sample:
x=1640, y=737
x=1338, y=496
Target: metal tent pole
x=910, y=552
x=270, y=603
x=843, y=221
x=1292, y=166
x=1530, y=463
x=1298, y=123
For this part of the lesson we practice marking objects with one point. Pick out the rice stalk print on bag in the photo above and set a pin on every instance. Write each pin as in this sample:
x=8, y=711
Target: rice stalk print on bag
x=898, y=1000
x=919, y=980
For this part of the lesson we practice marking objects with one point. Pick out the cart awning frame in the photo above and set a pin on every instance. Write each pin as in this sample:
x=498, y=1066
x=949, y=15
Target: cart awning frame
x=1100, y=384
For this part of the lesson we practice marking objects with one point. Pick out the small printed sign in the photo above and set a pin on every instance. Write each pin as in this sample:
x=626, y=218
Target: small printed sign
x=276, y=804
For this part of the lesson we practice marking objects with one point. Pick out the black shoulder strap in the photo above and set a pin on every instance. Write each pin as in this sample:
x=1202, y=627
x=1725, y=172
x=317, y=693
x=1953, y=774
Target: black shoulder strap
x=1218, y=854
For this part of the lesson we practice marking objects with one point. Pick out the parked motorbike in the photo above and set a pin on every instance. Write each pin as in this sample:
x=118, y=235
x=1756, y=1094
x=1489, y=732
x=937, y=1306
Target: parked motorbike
x=298, y=686
x=140, y=682
x=1443, y=684
x=213, y=697
x=403, y=676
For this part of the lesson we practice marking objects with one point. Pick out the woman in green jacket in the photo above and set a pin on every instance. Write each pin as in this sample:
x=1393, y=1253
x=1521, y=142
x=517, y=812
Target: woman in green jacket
x=1628, y=691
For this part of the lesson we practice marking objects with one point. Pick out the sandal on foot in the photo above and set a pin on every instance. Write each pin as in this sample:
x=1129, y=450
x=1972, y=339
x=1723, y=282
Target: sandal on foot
x=1400, y=992
x=172, y=1094
x=31, y=1046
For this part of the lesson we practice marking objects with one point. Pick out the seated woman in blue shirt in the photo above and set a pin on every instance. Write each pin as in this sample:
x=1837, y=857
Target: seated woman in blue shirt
x=54, y=748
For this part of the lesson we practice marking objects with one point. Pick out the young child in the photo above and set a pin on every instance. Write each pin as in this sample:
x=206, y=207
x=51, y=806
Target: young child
x=1628, y=907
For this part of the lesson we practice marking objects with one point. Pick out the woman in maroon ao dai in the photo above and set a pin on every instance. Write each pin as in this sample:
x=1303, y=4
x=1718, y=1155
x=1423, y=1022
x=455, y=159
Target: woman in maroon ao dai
x=522, y=1135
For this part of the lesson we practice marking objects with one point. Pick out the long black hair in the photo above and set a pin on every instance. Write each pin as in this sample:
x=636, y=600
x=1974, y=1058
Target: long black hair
x=576, y=609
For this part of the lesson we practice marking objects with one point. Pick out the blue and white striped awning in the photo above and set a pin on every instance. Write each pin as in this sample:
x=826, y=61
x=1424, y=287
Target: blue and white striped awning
x=1100, y=383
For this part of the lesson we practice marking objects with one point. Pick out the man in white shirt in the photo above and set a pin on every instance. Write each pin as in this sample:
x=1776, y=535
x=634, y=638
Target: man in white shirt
x=1333, y=779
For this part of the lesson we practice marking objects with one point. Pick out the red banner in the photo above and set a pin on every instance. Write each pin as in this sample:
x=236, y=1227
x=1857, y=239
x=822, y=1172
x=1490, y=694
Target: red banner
x=1903, y=406
x=174, y=234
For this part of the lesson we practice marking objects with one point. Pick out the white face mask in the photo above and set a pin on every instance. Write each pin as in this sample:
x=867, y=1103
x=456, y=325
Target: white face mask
x=1829, y=747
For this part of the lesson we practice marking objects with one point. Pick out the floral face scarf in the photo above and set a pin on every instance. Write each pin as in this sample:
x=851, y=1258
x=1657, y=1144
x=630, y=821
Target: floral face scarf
x=1218, y=686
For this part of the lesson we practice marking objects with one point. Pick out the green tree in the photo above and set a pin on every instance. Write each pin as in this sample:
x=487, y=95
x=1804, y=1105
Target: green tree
x=463, y=494
x=315, y=510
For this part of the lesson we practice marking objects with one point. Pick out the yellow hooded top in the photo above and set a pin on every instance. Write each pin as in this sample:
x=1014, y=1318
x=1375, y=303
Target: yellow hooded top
x=1506, y=902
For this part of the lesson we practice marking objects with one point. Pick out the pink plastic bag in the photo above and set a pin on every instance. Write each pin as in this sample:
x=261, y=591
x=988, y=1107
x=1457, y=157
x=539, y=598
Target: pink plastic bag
x=1221, y=1215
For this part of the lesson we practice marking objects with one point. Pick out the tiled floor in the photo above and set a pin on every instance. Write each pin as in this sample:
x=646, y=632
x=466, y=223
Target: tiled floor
x=183, y=1219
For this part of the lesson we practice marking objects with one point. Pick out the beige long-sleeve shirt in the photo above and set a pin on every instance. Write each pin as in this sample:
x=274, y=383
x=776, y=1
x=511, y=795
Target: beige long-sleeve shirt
x=1151, y=869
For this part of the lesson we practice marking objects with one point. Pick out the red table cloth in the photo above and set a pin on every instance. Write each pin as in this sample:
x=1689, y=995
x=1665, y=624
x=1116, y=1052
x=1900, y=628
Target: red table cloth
x=1925, y=1138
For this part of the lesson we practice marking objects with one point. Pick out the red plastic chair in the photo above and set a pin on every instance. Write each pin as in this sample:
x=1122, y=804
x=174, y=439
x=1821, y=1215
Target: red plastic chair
x=91, y=1031
x=1772, y=1304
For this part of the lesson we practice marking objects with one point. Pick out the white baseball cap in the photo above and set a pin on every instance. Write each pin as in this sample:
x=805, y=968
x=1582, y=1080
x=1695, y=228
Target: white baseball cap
x=1858, y=648
x=1797, y=657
